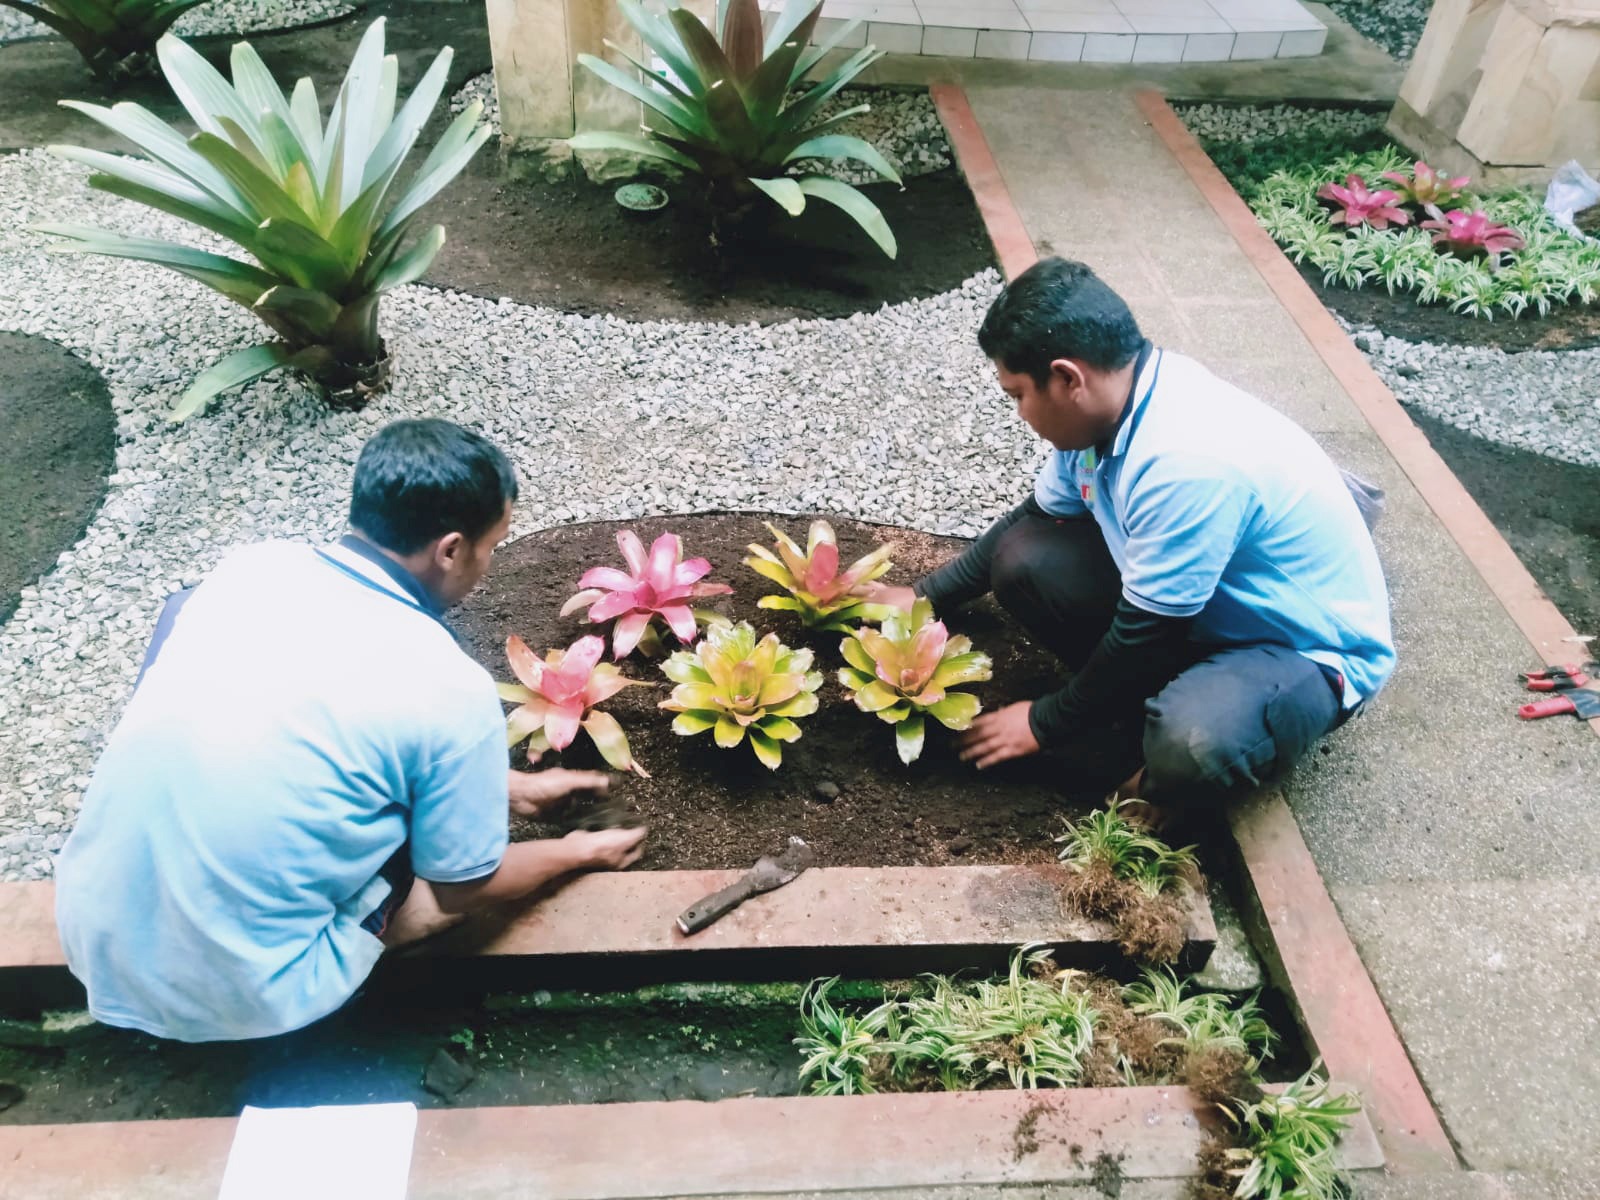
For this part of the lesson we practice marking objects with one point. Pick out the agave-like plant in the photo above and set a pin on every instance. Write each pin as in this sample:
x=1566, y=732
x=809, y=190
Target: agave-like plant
x=730, y=114
x=1359, y=205
x=310, y=204
x=907, y=669
x=115, y=37
x=557, y=695
x=1471, y=234
x=739, y=687
x=825, y=597
x=1423, y=185
x=659, y=584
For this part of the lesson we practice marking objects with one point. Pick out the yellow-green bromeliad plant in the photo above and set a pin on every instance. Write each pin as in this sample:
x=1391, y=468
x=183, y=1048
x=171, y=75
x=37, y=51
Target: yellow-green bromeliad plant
x=738, y=687
x=822, y=595
x=905, y=672
x=115, y=37
x=309, y=203
x=729, y=110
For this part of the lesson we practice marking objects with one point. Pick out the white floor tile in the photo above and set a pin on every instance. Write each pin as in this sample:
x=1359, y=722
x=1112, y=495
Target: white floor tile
x=1159, y=47
x=1259, y=9
x=1108, y=48
x=941, y=41
x=1087, y=6
x=1150, y=22
x=1071, y=22
x=1056, y=47
x=828, y=26
x=1003, y=43
x=1166, y=8
x=1208, y=47
x=1256, y=45
x=954, y=16
x=1300, y=44
x=1274, y=24
x=895, y=39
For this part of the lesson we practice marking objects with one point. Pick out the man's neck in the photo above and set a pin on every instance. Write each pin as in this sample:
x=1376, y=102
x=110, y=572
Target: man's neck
x=408, y=564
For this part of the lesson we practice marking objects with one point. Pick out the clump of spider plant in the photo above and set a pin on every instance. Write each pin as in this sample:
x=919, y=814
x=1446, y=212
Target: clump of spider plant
x=908, y=670
x=1028, y=1028
x=822, y=595
x=1222, y=1041
x=1285, y=1141
x=557, y=695
x=738, y=687
x=1130, y=877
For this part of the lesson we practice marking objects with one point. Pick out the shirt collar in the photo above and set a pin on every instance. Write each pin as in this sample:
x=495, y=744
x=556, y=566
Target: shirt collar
x=1146, y=369
x=403, y=581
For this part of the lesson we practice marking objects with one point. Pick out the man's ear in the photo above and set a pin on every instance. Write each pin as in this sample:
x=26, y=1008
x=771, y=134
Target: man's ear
x=449, y=550
x=1068, y=372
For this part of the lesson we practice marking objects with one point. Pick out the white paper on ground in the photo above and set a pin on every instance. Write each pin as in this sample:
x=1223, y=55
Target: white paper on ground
x=336, y=1152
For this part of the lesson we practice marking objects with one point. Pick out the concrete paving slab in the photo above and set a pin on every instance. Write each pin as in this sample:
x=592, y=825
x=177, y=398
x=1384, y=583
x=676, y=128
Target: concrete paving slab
x=1504, y=1026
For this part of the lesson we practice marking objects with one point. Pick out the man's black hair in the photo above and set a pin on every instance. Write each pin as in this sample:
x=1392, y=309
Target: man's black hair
x=419, y=480
x=1059, y=309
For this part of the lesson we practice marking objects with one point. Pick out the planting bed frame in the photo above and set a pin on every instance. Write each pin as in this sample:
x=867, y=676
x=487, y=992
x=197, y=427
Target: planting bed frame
x=863, y=921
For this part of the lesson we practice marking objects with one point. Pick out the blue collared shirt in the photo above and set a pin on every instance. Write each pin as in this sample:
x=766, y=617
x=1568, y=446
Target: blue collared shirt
x=1217, y=507
x=306, y=718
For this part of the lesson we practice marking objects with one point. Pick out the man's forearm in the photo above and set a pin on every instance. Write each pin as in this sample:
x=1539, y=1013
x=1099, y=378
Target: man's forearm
x=966, y=577
x=526, y=867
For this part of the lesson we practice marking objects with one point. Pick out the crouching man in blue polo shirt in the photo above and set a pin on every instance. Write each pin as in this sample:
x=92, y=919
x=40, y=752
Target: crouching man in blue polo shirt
x=1190, y=554
x=311, y=769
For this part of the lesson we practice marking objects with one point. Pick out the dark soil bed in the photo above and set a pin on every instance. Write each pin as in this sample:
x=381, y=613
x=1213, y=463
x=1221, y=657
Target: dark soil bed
x=710, y=808
x=1574, y=327
x=57, y=436
x=570, y=246
x=1549, y=511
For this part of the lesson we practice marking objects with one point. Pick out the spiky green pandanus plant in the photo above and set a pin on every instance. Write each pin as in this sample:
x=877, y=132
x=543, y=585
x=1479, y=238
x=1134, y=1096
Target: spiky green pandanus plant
x=730, y=113
x=115, y=37
x=311, y=204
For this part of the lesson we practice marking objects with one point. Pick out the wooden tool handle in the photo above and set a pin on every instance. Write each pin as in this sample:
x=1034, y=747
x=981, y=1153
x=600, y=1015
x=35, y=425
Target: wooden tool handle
x=715, y=906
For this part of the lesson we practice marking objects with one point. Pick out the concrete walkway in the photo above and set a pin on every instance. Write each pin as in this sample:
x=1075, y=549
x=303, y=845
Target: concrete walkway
x=1458, y=842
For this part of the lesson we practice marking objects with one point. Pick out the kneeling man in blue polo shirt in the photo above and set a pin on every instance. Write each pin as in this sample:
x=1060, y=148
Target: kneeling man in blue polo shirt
x=311, y=769
x=1191, y=555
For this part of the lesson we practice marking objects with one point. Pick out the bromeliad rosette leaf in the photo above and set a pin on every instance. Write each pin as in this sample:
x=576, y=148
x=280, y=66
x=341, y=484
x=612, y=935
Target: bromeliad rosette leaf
x=906, y=671
x=658, y=584
x=557, y=696
x=823, y=596
x=115, y=37
x=738, y=688
x=310, y=205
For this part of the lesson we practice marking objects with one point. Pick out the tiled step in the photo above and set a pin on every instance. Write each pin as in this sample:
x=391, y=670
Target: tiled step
x=1094, y=31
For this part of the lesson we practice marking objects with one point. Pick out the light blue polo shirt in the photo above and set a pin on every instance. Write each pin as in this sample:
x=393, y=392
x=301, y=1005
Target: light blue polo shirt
x=1217, y=507
x=304, y=719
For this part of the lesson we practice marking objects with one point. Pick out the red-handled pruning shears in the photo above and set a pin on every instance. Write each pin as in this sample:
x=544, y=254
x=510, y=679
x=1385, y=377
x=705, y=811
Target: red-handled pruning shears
x=1558, y=678
x=1581, y=704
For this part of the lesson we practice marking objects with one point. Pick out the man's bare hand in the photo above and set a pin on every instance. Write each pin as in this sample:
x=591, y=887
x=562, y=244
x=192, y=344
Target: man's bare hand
x=999, y=736
x=606, y=849
x=895, y=597
x=534, y=791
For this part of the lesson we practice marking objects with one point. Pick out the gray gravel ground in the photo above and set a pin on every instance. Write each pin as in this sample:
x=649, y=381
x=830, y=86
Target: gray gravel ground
x=1539, y=400
x=903, y=126
x=1248, y=123
x=1396, y=25
x=218, y=17
x=890, y=416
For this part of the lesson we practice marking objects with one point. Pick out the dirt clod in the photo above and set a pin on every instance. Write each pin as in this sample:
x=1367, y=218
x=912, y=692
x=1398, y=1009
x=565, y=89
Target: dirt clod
x=1105, y=1175
x=1212, y=1182
x=1025, y=1137
x=446, y=1076
x=1150, y=928
x=1218, y=1074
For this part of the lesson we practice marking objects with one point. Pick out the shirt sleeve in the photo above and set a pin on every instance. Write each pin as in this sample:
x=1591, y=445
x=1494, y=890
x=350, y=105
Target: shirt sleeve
x=461, y=812
x=1056, y=488
x=1185, y=520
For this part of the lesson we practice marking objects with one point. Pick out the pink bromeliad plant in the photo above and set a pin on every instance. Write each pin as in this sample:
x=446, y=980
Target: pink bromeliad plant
x=1425, y=186
x=1358, y=205
x=906, y=671
x=557, y=696
x=658, y=584
x=824, y=596
x=1470, y=234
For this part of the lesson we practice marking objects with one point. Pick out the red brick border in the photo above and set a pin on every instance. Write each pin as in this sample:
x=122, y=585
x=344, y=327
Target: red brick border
x=1547, y=631
x=684, y=1148
x=1012, y=245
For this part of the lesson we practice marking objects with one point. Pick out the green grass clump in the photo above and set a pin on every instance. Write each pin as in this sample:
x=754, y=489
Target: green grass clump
x=1202, y=1021
x=1286, y=1142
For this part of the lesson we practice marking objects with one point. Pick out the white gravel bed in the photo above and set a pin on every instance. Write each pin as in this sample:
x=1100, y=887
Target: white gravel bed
x=1396, y=25
x=892, y=416
x=903, y=126
x=219, y=17
x=1247, y=123
x=1540, y=400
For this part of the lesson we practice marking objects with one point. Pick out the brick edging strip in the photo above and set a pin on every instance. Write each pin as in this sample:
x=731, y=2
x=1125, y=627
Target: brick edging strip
x=1548, y=632
x=1335, y=999
x=684, y=1147
x=855, y=920
x=1012, y=245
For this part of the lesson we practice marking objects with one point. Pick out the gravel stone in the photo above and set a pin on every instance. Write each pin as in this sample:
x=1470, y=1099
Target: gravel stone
x=903, y=126
x=896, y=411
x=219, y=17
x=1396, y=25
x=1248, y=123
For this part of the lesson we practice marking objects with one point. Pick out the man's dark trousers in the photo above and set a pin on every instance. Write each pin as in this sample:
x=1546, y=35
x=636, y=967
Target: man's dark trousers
x=1236, y=717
